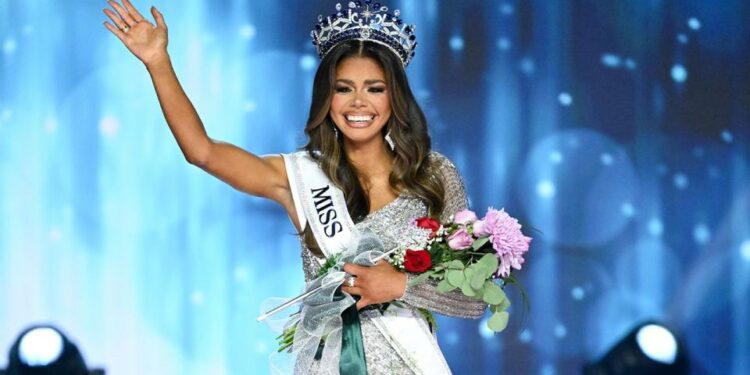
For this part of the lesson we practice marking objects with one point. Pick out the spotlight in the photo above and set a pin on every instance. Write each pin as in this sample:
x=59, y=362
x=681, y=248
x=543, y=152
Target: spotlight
x=44, y=350
x=648, y=349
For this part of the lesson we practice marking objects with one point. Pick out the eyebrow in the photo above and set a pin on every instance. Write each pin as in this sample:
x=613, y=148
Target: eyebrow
x=367, y=82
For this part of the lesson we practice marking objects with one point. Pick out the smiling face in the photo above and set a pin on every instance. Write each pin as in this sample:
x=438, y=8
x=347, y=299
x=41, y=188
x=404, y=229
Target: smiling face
x=361, y=105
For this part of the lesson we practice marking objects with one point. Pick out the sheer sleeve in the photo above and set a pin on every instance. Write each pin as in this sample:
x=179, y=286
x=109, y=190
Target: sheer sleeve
x=425, y=295
x=455, y=191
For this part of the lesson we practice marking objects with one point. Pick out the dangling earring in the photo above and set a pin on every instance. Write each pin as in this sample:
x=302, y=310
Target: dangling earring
x=335, y=131
x=389, y=141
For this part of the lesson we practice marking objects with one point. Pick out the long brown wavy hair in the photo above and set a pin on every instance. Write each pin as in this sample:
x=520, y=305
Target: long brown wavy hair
x=411, y=170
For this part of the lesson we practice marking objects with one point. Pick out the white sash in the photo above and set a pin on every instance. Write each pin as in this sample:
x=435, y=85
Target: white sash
x=320, y=204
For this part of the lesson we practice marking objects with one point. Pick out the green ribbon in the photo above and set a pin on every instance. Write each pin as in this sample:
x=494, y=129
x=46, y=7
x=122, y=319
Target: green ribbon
x=352, y=360
x=352, y=348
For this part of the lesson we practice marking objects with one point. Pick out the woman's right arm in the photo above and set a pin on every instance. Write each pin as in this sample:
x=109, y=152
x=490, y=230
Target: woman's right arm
x=264, y=177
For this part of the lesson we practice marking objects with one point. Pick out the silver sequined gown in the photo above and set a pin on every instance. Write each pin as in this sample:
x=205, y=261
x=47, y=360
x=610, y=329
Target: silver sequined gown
x=391, y=224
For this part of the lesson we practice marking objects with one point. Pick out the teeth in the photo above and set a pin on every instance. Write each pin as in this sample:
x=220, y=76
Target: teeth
x=359, y=118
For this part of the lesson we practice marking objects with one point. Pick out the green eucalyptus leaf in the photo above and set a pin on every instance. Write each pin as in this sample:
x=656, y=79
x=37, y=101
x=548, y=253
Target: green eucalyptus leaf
x=456, y=265
x=468, y=291
x=455, y=277
x=489, y=264
x=493, y=293
x=498, y=321
x=480, y=269
x=479, y=243
x=445, y=287
x=469, y=273
x=477, y=280
x=421, y=278
x=504, y=305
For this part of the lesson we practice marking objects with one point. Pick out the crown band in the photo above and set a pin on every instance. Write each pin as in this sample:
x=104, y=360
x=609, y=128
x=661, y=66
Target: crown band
x=370, y=22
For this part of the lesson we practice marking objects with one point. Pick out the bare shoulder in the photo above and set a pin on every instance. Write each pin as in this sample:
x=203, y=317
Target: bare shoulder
x=276, y=162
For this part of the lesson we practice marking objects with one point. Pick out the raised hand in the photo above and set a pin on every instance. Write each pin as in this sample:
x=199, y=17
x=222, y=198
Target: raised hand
x=146, y=41
x=264, y=177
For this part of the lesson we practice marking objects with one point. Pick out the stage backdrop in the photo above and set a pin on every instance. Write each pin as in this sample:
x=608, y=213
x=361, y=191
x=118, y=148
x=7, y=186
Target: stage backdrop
x=618, y=129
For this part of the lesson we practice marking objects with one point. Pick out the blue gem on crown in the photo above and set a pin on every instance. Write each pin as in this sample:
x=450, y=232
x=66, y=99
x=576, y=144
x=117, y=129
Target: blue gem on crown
x=365, y=21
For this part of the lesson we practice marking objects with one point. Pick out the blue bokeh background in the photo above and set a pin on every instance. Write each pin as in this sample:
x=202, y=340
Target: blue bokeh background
x=619, y=130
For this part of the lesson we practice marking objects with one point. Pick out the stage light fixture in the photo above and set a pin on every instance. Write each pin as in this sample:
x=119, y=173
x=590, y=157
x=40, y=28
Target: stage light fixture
x=44, y=350
x=648, y=349
x=40, y=347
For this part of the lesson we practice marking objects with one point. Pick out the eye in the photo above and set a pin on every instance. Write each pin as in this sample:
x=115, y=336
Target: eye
x=377, y=90
x=343, y=89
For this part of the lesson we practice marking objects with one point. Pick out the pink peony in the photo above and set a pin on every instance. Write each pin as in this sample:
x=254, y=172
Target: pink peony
x=464, y=217
x=460, y=240
x=506, y=238
x=481, y=229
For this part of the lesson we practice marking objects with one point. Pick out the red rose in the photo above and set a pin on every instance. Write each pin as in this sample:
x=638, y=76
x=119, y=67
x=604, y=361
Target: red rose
x=417, y=261
x=429, y=223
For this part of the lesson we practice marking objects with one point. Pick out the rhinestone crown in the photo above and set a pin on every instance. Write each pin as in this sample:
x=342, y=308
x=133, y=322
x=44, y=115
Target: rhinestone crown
x=366, y=20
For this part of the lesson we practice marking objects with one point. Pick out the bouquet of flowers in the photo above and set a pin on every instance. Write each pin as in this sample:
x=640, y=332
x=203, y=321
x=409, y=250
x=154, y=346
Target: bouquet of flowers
x=472, y=255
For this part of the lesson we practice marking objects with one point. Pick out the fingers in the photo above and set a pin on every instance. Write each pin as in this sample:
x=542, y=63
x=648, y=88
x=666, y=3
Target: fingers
x=349, y=281
x=356, y=291
x=117, y=21
x=159, y=18
x=127, y=17
x=354, y=269
x=362, y=303
x=353, y=290
x=118, y=33
x=131, y=9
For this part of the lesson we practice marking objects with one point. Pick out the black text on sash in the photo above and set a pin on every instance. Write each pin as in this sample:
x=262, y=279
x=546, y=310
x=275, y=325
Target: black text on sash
x=327, y=216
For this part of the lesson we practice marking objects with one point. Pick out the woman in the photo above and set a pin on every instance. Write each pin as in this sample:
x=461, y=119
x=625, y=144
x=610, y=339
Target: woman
x=368, y=136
